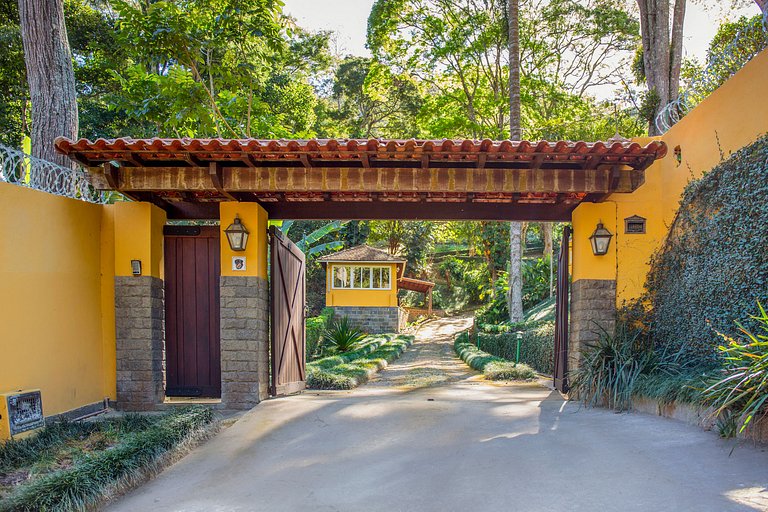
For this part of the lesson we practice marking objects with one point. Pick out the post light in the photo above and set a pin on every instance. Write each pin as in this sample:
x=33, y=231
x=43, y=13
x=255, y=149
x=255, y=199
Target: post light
x=237, y=235
x=600, y=240
x=519, y=336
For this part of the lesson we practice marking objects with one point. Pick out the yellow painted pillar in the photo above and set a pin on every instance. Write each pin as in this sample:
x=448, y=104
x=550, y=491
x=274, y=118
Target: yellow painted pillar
x=139, y=305
x=593, y=279
x=244, y=309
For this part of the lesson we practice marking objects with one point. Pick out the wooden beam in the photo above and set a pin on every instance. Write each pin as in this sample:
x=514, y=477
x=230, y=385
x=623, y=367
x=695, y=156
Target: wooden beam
x=215, y=171
x=112, y=175
x=305, y=160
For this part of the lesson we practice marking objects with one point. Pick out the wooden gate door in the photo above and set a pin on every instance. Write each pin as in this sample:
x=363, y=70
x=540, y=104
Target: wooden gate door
x=192, y=270
x=288, y=297
x=561, y=314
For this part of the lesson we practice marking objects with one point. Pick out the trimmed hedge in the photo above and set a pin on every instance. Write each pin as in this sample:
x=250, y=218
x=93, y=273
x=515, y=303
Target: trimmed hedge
x=349, y=370
x=89, y=479
x=537, y=347
x=494, y=368
x=315, y=326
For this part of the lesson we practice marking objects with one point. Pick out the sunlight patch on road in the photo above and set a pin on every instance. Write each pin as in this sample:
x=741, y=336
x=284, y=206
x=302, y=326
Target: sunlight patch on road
x=752, y=497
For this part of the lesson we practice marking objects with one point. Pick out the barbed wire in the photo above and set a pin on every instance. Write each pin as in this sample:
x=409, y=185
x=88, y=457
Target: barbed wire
x=23, y=170
x=718, y=68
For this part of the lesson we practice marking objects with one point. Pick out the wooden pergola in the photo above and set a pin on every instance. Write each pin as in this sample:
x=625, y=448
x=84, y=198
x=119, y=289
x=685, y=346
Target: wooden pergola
x=417, y=285
x=367, y=179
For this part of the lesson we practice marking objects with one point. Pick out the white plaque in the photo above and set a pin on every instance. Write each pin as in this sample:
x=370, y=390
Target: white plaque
x=238, y=263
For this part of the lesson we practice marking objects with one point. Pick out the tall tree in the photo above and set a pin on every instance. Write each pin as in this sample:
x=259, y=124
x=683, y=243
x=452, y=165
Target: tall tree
x=515, y=299
x=662, y=53
x=50, y=75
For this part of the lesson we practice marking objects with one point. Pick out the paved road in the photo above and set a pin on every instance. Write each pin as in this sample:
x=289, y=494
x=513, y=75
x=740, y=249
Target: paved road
x=429, y=435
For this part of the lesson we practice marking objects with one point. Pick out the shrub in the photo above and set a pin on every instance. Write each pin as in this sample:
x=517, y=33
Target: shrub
x=348, y=370
x=494, y=368
x=80, y=485
x=742, y=389
x=610, y=368
x=315, y=326
x=537, y=346
x=341, y=336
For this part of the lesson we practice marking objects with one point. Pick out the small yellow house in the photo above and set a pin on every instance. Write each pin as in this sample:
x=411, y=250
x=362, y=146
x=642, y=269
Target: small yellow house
x=361, y=283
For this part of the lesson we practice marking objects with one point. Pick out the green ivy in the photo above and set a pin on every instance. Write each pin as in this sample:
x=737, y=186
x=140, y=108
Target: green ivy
x=713, y=267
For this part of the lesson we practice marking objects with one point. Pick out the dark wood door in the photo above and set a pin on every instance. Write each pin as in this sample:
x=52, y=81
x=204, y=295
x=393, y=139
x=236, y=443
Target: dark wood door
x=192, y=270
x=287, y=294
x=561, y=314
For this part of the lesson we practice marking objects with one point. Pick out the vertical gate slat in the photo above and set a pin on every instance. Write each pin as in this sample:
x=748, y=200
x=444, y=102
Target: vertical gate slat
x=287, y=299
x=561, y=314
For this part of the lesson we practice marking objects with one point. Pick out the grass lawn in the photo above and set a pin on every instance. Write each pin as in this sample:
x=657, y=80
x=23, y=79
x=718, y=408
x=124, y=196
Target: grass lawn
x=73, y=466
x=350, y=369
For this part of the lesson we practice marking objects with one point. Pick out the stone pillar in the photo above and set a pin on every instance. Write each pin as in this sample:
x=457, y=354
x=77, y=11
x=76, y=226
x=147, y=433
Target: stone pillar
x=244, y=341
x=244, y=310
x=139, y=306
x=139, y=314
x=593, y=311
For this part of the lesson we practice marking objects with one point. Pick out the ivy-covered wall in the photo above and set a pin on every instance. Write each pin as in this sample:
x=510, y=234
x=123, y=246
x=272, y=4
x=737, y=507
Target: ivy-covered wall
x=713, y=267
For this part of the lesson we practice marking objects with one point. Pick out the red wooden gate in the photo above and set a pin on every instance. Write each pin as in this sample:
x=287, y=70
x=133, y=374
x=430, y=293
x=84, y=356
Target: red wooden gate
x=192, y=269
x=561, y=314
x=288, y=297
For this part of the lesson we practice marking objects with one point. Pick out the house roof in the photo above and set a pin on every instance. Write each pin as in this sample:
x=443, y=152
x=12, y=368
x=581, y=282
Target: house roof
x=364, y=253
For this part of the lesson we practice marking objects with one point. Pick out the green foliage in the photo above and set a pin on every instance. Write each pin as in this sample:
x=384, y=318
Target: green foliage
x=355, y=232
x=315, y=327
x=742, y=388
x=82, y=483
x=711, y=269
x=508, y=370
x=610, y=368
x=349, y=370
x=536, y=346
x=341, y=337
x=418, y=242
x=494, y=368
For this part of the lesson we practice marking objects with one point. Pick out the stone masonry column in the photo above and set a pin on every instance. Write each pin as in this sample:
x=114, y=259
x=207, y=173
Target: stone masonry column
x=244, y=310
x=139, y=306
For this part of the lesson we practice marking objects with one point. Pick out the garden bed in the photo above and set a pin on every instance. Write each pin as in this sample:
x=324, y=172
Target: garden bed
x=74, y=466
x=494, y=368
x=351, y=369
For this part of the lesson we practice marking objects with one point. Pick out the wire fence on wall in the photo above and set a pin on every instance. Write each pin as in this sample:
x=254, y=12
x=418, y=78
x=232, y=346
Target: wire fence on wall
x=747, y=43
x=23, y=170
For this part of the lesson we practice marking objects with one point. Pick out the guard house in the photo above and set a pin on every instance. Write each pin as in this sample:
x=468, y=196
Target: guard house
x=362, y=284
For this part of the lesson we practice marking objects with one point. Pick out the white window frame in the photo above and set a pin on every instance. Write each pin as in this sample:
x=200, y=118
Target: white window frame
x=352, y=268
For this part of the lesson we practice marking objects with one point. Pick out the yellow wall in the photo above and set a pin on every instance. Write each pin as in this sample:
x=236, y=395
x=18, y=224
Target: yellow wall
x=254, y=218
x=729, y=119
x=138, y=230
x=336, y=297
x=57, y=312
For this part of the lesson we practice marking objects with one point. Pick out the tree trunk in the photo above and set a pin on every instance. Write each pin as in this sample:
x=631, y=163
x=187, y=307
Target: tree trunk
x=662, y=51
x=546, y=229
x=50, y=76
x=515, y=298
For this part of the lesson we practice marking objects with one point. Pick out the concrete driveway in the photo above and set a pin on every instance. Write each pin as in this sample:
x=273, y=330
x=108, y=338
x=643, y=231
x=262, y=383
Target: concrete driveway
x=430, y=435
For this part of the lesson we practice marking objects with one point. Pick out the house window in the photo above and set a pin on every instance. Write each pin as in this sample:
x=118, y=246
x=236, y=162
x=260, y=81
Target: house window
x=361, y=277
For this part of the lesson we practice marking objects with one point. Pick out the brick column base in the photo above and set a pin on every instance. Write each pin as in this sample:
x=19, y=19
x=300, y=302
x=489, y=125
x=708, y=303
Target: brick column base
x=244, y=341
x=593, y=309
x=140, y=339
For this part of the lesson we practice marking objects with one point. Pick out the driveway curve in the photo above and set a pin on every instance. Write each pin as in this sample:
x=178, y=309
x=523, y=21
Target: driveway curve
x=429, y=434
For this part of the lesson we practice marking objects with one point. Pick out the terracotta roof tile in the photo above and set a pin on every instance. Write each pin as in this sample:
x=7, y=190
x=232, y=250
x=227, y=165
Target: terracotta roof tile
x=364, y=253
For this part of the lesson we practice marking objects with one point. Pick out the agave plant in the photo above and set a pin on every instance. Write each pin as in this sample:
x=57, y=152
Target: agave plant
x=342, y=337
x=743, y=389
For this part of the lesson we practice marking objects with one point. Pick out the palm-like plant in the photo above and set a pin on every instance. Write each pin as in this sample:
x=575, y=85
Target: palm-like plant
x=342, y=337
x=743, y=390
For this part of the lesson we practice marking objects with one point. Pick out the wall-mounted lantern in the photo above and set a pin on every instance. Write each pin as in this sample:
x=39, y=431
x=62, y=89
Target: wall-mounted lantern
x=600, y=240
x=237, y=235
